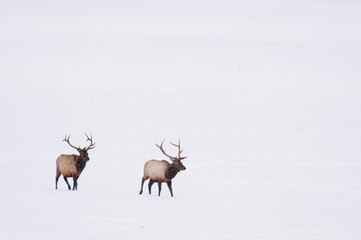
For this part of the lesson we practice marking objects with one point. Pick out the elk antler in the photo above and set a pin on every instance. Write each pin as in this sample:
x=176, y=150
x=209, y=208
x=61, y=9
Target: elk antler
x=161, y=148
x=179, y=150
x=92, y=145
x=66, y=139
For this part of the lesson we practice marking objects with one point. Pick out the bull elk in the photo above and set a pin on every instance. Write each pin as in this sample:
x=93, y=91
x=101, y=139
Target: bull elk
x=162, y=171
x=72, y=165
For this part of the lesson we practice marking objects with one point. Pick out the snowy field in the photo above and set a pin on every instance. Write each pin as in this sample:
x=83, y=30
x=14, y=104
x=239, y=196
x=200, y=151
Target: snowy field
x=264, y=95
x=219, y=200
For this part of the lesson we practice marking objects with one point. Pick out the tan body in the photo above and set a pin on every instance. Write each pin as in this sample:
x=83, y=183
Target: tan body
x=155, y=170
x=66, y=165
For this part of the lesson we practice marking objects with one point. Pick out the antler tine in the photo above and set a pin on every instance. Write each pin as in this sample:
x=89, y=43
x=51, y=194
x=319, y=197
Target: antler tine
x=179, y=149
x=161, y=148
x=66, y=139
x=92, y=145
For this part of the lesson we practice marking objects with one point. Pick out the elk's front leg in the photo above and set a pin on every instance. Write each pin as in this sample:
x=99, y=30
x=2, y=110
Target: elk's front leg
x=159, y=187
x=66, y=180
x=170, y=188
x=75, y=183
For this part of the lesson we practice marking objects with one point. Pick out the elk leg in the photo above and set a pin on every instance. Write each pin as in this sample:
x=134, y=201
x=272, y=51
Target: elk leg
x=141, y=186
x=75, y=183
x=170, y=188
x=159, y=187
x=150, y=186
x=57, y=177
x=66, y=180
x=56, y=181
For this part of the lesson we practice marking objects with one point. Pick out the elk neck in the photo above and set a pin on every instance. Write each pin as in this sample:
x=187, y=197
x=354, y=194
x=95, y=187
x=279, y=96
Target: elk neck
x=80, y=164
x=171, y=171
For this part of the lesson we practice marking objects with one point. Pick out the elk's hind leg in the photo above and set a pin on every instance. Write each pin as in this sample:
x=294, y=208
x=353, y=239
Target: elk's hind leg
x=66, y=180
x=57, y=178
x=141, y=186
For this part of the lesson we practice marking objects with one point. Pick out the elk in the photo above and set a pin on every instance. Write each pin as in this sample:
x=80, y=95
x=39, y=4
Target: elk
x=72, y=165
x=162, y=171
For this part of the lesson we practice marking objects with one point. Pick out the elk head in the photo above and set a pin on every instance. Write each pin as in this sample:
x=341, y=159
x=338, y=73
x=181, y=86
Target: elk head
x=176, y=161
x=83, y=152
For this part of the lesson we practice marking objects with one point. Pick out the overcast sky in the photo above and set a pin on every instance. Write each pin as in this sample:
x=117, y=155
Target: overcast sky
x=254, y=80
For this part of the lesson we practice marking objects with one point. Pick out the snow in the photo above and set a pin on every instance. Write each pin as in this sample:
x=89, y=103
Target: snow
x=212, y=201
x=264, y=95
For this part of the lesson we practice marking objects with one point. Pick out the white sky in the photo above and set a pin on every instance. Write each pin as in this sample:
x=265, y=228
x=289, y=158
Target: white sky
x=269, y=80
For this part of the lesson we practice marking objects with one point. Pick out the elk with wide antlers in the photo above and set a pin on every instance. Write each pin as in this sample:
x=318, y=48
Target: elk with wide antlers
x=72, y=165
x=162, y=171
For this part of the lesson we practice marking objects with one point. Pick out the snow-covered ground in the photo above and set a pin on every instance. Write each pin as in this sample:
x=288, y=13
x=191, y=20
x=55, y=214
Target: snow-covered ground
x=264, y=95
x=219, y=200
